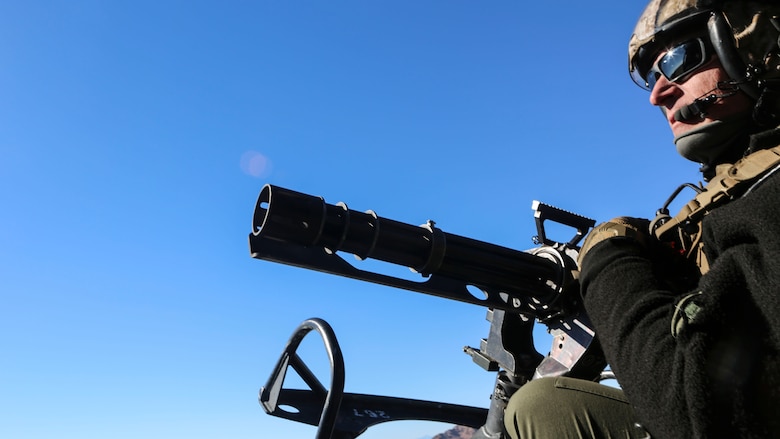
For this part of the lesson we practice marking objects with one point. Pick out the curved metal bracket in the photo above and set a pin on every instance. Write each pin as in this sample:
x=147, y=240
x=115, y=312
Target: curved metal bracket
x=342, y=415
x=322, y=406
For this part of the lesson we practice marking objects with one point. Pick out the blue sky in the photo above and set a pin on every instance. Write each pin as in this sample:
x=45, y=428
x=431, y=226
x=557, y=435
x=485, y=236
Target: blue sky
x=136, y=136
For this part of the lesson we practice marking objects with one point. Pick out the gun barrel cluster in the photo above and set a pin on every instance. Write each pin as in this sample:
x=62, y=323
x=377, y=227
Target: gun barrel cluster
x=296, y=218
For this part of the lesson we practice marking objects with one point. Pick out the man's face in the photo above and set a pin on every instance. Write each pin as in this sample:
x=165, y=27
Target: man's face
x=672, y=96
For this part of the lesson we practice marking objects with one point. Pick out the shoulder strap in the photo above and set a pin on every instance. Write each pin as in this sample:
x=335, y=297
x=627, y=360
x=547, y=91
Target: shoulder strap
x=685, y=227
x=724, y=187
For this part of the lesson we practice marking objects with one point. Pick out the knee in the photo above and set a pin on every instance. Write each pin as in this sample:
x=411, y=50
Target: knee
x=534, y=400
x=530, y=408
x=560, y=407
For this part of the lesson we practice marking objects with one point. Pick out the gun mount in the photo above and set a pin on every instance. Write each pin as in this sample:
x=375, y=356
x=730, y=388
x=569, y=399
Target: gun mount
x=519, y=287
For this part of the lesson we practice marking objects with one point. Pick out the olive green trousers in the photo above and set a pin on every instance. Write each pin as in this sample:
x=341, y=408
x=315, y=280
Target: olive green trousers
x=561, y=407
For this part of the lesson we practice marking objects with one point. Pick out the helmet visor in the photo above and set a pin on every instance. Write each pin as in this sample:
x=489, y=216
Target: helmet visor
x=675, y=64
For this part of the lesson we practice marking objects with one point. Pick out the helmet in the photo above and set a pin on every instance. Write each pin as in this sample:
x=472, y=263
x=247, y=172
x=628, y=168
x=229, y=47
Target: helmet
x=743, y=34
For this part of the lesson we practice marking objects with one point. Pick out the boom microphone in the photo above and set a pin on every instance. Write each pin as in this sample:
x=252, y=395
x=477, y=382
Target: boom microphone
x=696, y=109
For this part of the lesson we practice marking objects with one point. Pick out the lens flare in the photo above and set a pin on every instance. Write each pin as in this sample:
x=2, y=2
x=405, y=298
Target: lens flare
x=255, y=164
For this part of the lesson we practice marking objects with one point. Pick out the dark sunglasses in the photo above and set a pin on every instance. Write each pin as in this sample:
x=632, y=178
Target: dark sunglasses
x=675, y=65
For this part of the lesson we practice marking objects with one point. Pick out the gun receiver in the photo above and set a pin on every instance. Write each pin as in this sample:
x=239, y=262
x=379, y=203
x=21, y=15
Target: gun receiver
x=302, y=230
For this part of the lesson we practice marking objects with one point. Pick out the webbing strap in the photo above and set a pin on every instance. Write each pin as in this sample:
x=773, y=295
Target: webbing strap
x=724, y=187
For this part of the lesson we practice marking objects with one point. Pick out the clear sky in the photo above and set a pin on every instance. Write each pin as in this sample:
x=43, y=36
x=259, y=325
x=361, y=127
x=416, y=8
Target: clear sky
x=136, y=135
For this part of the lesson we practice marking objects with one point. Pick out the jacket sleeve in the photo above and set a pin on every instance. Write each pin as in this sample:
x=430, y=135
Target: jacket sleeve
x=632, y=311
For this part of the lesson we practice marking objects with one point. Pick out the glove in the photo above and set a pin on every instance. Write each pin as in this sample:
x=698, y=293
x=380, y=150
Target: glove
x=637, y=229
x=674, y=270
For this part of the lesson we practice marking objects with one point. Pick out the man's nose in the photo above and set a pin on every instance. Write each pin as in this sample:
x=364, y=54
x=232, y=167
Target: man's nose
x=660, y=91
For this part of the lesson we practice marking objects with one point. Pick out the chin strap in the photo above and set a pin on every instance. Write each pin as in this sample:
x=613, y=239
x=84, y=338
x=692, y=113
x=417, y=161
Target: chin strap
x=730, y=182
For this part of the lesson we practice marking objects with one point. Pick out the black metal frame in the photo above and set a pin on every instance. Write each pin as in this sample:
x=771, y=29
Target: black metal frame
x=341, y=415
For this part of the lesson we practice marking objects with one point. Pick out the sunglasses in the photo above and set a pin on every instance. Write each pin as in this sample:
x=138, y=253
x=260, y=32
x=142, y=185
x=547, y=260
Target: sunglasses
x=675, y=64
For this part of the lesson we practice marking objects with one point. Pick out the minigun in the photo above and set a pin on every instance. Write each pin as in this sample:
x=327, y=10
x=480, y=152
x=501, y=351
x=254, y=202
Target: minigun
x=517, y=287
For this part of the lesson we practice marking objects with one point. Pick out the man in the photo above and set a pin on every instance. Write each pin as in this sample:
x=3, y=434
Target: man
x=687, y=308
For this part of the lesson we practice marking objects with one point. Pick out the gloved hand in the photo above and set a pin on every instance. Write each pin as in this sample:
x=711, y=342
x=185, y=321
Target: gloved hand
x=637, y=229
x=671, y=268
